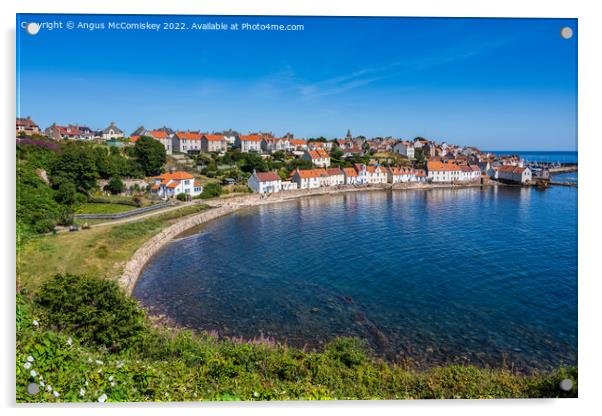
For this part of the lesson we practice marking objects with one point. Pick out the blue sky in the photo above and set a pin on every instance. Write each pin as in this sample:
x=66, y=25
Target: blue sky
x=494, y=83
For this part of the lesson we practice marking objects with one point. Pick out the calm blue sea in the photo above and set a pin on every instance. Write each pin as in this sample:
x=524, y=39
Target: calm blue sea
x=540, y=156
x=487, y=277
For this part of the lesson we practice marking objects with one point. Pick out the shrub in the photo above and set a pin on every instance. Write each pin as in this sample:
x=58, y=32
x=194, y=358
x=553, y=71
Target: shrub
x=211, y=190
x=349, y=351
x=115, y=186
x=182, y=196
x=94, y=310
x=66, y=193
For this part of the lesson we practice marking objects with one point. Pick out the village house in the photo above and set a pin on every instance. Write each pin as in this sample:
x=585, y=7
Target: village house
x=111, y=132
x=420, y=175
x=164, y=138
x=351, y=176
x=404, y=148
x=265, y=182
x=376, y=174
x=170, y=185
x=57, y=132
x=318, y=158
x=214, y=143
x=298, y=145
x=333, y=177
x=469, y=173
x=517, y=174
x=442, y=172
x=307, y=178
x=249, y=144
x=273, y=144
x=400, y=175
x=27, y=126
x=187, y=142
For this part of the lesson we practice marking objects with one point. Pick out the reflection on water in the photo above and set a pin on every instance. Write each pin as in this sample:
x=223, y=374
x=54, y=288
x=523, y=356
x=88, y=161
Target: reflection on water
x=448, y=275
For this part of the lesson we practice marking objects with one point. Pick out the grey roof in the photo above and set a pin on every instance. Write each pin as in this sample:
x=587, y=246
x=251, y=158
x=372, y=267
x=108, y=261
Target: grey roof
x=113, y=127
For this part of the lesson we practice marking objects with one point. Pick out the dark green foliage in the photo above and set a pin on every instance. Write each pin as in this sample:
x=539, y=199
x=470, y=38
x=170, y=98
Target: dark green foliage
x=36, y=207
x=182, y=196
x=93, y=310
x=66, y=194
x=150, y=154
x=77, y=165
x=210, y=190
x=114, y=350
x=115, y=186
x=299, y=163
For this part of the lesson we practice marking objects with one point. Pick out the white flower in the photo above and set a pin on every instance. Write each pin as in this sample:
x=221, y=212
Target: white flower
x=27, y=365
x=30, y=358
x=82, y=392
x=33, y=373
x=98, y=362
x=102, y=398
x=110, y=378
x=69, y=341
x=255, y=394
x=119, y=364
x=42, y=384
x=56, y=393
x=112, y=384
x=89, y=359
x=35, y=322
x=86, y=383
x=49, y=387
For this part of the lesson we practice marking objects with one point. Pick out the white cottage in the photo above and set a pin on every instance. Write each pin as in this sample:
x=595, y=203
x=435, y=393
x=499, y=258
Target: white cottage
x=170, y=185
x=265, y=182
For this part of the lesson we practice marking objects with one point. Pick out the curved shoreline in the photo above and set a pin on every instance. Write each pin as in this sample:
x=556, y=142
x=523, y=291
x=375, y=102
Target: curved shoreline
x=225, y=206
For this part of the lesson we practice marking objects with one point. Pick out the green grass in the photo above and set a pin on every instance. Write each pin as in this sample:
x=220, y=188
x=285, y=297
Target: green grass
x=178, y=365
x=99, y=208
x=99, y=252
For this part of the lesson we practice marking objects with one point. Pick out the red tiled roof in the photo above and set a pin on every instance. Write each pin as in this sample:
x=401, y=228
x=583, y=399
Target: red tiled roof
x=188, y=135
x=297, y=142
x=334, y=171
x=350, y=172
x=318, y=154
x=442, y=167
x=267, y=176
x=311, y=173
x=251, y=138
x=158, y=134
x=176, y=176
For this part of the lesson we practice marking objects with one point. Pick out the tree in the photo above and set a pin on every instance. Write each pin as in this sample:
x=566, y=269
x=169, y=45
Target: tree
x=115, y=186
x=150, y=154
x=77, y=164
x=66, y=194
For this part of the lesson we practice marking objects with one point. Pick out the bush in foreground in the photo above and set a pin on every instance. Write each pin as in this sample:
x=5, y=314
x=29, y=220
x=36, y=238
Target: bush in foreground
x=134, y=361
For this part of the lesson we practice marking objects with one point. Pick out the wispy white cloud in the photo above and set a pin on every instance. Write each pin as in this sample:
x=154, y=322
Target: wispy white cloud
x=289, y=81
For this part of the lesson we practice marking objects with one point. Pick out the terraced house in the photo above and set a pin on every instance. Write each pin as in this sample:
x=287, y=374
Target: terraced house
x=164, y=138
x=169, y=185
x=213, y=143
x=249, y=144
x=442, y=172
x=265, y=182
x=187, y=142
x=318, y=158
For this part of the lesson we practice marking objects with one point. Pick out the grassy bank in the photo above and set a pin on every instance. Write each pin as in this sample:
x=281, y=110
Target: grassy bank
x=96, y=208
x=75, y=343
x=98, y=252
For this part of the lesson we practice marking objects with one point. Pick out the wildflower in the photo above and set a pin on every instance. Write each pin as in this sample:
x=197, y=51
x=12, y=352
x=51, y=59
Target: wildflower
x=27, y=365
x=35, y=323
x=119, y=364
x=33, y=373
x=98, y=362
x=89, y=359
x=86, y=383
x=56, y=393
x=102, y=398
x=112, y=384
x=69, y=341
x=255, y=394
x=49, y=387
x=42, y=384
x=30, y=358
x=82, y=392
x=110, y=378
